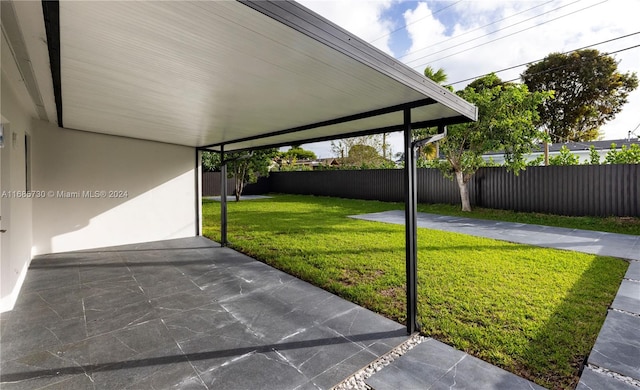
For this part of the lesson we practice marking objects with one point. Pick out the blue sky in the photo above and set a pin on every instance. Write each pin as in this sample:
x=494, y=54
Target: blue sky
x=469, y=38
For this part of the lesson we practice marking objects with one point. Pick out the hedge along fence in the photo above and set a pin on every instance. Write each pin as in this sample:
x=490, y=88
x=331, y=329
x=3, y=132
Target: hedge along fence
x=598, y=190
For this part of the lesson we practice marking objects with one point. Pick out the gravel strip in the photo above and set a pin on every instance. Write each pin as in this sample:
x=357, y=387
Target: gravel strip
x=356, y=381
x=620, y=377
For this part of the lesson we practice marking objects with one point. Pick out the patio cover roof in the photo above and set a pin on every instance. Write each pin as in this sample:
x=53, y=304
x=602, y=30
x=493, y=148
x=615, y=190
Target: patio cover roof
x=206, y=73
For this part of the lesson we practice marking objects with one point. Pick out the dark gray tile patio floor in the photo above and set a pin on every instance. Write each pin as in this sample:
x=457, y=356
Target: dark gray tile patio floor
x=437, y=366
x=183, y=314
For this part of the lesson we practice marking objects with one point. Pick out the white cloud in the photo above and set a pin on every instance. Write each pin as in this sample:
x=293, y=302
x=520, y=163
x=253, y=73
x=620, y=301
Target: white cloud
x=581, y=27
x=586, y=23
x=360, y=17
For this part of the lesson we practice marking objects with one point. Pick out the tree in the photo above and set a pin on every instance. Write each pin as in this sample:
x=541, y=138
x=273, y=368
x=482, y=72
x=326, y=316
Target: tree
x=430, y=151
x=365, y=156
x=594, y=156
x=427, y=152
x=439, y=76
x=589, y=91
x=287, y=160
x=342, y=147
x=630, y=155
x=506, y=116
x=565, y=157
x=245, y=166
x=296, y=152
x=210, y=161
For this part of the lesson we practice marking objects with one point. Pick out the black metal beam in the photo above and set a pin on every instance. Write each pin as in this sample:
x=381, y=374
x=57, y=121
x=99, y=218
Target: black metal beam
x=223, y=199
x=51, y=12
x=348, y=118
x=411, y=225
x=386, y=129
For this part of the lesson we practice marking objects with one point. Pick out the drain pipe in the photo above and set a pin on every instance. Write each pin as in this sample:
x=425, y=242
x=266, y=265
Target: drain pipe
x=411, y=220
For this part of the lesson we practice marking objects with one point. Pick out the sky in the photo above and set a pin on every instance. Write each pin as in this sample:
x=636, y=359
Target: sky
x=470, y=38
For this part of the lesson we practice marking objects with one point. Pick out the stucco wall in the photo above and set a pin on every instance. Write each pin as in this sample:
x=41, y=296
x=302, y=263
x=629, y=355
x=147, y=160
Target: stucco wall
x=150, y=191
x=16, y=212
x=104, y=190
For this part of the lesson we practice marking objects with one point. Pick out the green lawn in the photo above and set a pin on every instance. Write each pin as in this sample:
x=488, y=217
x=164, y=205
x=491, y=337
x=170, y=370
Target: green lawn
x=533, y=311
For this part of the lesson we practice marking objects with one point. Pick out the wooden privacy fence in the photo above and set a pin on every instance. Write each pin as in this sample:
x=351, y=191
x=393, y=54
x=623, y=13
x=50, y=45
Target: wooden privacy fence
x=599, y=190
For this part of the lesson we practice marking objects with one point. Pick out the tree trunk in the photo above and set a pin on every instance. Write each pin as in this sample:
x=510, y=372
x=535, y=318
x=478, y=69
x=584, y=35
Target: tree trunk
x=239, y=184
x=464, y=191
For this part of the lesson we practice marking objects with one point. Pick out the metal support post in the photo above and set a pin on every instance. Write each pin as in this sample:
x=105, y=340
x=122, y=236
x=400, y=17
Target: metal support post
x=223, y=198
x=410, y=207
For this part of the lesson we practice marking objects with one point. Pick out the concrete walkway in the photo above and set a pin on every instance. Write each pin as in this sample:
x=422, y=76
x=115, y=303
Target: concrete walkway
x=614, y=362
x=598, y=243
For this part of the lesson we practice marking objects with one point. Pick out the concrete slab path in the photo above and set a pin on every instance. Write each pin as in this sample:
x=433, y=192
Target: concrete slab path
x=599, y=243
x=614, y=362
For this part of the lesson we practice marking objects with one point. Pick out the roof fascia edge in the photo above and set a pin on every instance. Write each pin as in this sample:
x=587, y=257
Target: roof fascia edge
x=51, y=15
x=322, y=30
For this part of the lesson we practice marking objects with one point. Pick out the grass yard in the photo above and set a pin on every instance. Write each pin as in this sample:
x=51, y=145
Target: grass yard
x=533, y=311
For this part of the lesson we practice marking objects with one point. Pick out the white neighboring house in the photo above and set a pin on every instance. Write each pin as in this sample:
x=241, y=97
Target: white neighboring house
x=580, y=149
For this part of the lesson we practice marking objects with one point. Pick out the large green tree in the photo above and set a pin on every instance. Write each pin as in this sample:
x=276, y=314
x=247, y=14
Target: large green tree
x=365, y=156
x=342, y=147
x=298, y=153
x=506, y=121
x=589, y=91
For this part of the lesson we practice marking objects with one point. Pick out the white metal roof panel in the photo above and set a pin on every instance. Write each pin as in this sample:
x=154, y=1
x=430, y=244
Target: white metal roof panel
x=211, y=72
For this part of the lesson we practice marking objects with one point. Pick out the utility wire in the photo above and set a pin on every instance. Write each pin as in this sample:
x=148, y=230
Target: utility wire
x=491, y=33
x=474, y=30
x=564, y=66
x=531, y=62
x=517, y=32
x=415, y=21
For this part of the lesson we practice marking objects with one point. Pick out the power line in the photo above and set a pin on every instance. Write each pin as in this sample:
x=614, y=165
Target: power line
x=492, y=32
x=415, y=21
x=517, y=32
x=564, y=66
x=531, y=62
x=475, y=29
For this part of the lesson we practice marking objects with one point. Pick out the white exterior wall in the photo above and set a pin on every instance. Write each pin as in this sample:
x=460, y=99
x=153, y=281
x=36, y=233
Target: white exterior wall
x=159, y=180
x=150, y=190
x=16, y=213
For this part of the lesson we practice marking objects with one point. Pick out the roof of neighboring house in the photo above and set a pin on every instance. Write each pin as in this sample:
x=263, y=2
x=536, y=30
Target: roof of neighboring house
x=243, y=74
x=579, y=146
